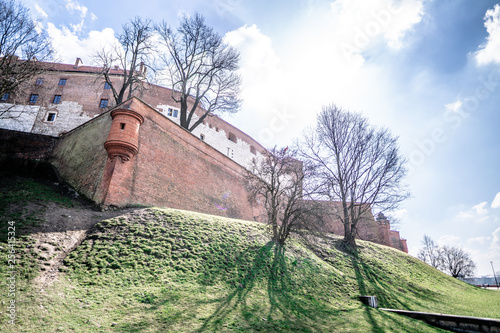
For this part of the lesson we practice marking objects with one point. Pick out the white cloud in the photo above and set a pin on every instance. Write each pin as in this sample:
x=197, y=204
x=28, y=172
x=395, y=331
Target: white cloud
x=480, y=209
x=489, y=52
x=450, y=240
x=495, y=243
x=399, y=215
x=264, y=85
x=69, y=46
x=481, y=240
x=408, y=14
x=256, y=48
x=40, y=11
x=361, y=24
x=483, y=255
x=455, y=106
x=496, y=201
x=477, y=213
x=73, y=6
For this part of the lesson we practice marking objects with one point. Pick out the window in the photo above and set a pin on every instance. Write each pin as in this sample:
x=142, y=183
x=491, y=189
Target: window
x=51, y=116
x=62, y=82
x=252, y=150
x=172, y=112
x=232, y=137
x=107, y=85
x=5, y=97
x=202, y=137
x=122, y=126
x=57, y=99
x=103, y=103
x=33, y=98
x=39, y=81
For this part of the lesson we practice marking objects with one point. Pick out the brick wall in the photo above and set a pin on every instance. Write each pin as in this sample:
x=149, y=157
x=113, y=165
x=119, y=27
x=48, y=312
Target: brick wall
x=377, y=231
x=79, y=103
x=174, y=168
x=25, y=146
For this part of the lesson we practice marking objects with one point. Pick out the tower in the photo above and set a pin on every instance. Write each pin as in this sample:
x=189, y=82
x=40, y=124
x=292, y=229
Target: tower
x=123, y=137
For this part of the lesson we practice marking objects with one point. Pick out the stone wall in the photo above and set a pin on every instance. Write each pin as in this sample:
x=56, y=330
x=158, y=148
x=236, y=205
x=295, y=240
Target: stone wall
x=80, y=157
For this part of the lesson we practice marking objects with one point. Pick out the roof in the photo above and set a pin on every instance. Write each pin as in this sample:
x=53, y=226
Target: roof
x=82, y=69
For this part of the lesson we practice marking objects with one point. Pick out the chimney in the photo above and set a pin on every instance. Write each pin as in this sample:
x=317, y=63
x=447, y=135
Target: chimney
x=78, y=62
x=142, y=69
x=117, y=67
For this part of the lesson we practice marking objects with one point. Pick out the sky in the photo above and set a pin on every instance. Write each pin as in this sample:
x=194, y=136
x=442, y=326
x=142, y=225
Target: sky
x=427, y=70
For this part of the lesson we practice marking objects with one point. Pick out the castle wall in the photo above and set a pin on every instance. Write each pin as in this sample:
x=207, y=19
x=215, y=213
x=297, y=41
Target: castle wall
x=25, y=146
x=368, y=228
x=377, y=231
x=80, y=157
x=80, y=98
x=174, y=168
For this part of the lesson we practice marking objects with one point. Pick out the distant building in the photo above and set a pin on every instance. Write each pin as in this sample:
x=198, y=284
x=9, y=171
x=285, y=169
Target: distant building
x=488, y=280
x=136, y=153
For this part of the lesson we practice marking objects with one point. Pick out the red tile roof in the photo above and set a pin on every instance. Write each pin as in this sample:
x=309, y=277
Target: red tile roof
x=83, y=69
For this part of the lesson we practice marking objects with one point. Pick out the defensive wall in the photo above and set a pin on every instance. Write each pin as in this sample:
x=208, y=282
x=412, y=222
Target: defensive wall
x=170, y=167
x=135, y=153
x=69, y=95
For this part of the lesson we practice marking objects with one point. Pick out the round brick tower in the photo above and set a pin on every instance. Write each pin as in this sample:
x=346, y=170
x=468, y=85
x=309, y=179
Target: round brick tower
x=123, y=138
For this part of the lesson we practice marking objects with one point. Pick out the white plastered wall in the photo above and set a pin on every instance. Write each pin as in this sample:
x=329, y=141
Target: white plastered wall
x=17, y=117
x=68, y=116
x=238, y=151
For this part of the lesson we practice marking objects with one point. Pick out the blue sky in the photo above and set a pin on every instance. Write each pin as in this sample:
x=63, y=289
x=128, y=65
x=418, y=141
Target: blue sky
x=428, y=70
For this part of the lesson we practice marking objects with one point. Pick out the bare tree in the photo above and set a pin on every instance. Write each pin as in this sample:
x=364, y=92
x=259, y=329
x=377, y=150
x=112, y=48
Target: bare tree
x=430, y=253
x=279, y=182
x=23, y=47
x=359, y=166
x=201, y=68
x=457, y=262
x=133, y=55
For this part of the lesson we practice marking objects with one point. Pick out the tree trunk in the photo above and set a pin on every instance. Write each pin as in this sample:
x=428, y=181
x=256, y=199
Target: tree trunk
x=184, y=107
x=349, y=235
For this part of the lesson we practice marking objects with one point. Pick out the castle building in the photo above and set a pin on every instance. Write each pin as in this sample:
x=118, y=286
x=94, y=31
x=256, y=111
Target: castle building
x=136, y=153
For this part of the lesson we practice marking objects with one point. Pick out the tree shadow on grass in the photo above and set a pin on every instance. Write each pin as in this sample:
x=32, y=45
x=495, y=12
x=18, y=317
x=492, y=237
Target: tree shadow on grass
x=375, y=282
x=288, y=307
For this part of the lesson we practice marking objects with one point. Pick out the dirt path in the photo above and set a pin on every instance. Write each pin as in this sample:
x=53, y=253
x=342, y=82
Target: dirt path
x=63, y=230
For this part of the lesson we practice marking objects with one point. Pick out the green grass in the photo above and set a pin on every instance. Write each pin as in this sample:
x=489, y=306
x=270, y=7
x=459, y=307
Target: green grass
x=16, y=219
x=165, y=270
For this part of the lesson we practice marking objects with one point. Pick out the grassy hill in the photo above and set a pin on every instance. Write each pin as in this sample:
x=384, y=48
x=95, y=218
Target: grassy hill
x=165, y=270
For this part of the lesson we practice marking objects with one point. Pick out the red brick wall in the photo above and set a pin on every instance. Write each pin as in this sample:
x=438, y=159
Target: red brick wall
x=368, y=229
x=175, y=169
x=25, y=146
x=86, y=87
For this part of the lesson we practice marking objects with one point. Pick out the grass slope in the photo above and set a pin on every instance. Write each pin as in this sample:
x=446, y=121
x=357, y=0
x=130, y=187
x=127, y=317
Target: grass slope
x=164, y=270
